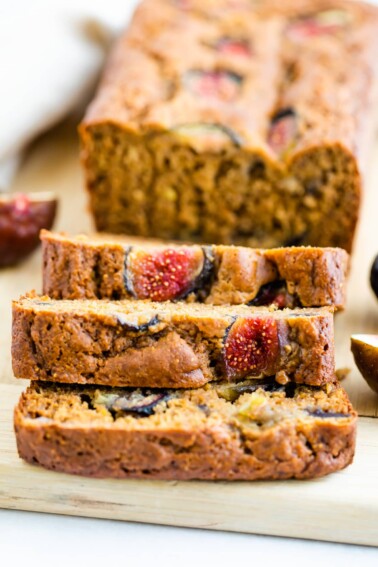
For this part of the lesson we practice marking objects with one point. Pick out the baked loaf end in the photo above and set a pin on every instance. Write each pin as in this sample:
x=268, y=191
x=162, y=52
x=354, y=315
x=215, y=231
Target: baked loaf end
x=107, y=267
x=246, y=432
x=177, y=345
x=235, y=126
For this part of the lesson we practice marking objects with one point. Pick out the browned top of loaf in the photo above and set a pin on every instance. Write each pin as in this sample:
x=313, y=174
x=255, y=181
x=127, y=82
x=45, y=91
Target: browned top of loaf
x=142, y=89
x=314, y=276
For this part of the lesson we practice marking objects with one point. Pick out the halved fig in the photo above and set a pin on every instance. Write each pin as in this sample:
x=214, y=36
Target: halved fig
x=365, y=352
x=163, y=274
x=374, y=276
x=203, y=137
x=251, y=347
x=219, y=83
x=21, y=219
x=274, y=293
x=326, y=22
x=233, y=46
x=142, y=403
x=283, y=131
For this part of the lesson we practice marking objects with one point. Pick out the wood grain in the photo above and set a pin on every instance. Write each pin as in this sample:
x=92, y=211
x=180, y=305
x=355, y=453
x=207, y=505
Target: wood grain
x=342, y=507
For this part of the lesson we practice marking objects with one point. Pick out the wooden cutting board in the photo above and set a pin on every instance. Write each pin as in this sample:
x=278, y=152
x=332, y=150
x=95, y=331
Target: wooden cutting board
x=342, y=507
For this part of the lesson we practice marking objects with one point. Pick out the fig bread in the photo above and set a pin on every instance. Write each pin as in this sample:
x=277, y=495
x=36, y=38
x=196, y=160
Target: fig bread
x=82, y=267
x=235, y=122
x=248, y=431
x=168, y=345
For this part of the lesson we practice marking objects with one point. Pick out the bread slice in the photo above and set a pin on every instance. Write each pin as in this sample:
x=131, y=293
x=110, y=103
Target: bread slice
x=111, y=267
x=244, y=431
x=168, y=345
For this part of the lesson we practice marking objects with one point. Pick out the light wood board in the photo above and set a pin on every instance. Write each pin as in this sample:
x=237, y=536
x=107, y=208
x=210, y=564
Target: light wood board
x=342, y=507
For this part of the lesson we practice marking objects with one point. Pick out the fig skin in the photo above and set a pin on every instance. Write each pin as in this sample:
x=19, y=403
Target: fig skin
x=235, y=47
x=374, y=276
x=365, y=352
x=214, y=84
x=283, y=131
x=21, y=219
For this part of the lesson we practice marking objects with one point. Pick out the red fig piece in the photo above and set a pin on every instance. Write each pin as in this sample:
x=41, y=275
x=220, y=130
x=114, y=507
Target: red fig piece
x=234, y=47
x=274, y=293
x=251, y=347
x=326, y=22
x=21, y=219
x=283, y=131
x=220, y=84
x=163, y=274
x=207, y=137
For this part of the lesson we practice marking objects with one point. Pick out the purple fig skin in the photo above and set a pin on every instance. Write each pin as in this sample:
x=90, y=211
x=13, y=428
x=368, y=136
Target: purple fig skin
x=21, y=219
x=374, y=276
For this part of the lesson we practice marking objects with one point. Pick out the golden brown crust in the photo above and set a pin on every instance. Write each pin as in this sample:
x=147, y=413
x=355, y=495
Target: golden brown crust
x=245, y=194
x=96, y=342
x=188, y=444
x=91, y=267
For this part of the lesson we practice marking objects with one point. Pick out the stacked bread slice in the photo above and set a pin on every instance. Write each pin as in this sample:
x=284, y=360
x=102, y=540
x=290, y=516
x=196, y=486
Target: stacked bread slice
x=182, y=361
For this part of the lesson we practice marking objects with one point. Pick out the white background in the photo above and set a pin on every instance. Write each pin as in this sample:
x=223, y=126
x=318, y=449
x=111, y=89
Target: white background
x=31, y=540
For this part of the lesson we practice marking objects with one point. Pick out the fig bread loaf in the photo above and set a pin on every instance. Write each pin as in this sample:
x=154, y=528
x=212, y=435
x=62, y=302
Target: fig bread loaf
x=82, y=267
x=168, y=345
x=248, y=431
x=235, y=122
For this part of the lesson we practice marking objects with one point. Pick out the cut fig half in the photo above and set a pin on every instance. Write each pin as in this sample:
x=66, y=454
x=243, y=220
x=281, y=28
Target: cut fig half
x=166, y=274
x=365, y=352
x=22, y=216
x=251, y=347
